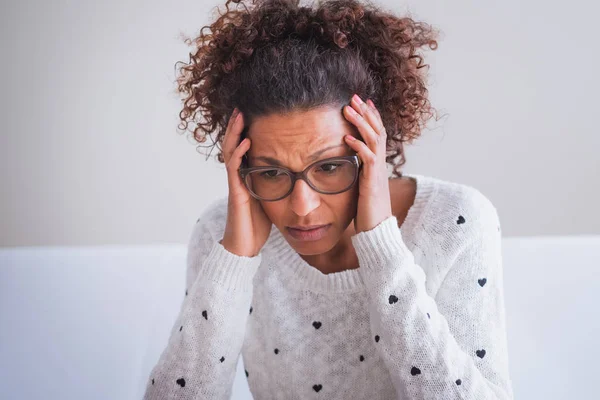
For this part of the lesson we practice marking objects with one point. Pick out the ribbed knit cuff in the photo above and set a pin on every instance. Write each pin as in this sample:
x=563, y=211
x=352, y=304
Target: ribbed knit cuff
x=380, y=245
x=229, y=270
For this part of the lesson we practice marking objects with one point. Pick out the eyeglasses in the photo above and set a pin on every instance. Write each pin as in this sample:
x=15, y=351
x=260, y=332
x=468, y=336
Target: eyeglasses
x=329, y=176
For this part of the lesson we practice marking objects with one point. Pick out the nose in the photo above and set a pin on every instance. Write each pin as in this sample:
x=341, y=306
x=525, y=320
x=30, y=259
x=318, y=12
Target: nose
x=304, y=199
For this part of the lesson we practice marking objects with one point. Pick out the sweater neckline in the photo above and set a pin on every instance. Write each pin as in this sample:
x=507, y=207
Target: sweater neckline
x=295, y=271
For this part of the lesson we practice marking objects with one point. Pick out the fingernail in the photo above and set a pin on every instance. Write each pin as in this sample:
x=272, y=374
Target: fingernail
x=371, y=103
x=350, y=138
x=358, y=99
x=352, y=110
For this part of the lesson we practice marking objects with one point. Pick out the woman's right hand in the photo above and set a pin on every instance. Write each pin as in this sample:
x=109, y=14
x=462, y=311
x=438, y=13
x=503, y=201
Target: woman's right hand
x=248, y=227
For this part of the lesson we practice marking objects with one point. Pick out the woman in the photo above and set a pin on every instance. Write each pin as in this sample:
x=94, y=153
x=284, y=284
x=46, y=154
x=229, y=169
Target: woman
x=332, y=279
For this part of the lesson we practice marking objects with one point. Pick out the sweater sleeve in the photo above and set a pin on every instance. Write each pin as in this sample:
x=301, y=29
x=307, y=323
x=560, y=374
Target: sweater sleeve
x=201, y=356
x=453, y=346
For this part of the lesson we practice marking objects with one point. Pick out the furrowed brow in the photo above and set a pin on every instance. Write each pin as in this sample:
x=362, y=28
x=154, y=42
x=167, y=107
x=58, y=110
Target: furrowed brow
x=312, y=157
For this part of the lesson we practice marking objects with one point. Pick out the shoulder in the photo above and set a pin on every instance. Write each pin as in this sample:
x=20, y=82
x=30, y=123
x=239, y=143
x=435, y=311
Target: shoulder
x=461, y=213
x=210, y=224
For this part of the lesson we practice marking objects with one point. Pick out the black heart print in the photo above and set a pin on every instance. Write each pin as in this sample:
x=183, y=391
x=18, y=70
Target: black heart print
x=205, y=315
x=377, y=338
x=480, y=353
x=317, y=388
x=181, y=382
x=458, y=381
x=317, y=324
x=415, y=371
x=393, y=299
x=482, y=282
x=222, y=359
x=276, y=351
x=460, y=220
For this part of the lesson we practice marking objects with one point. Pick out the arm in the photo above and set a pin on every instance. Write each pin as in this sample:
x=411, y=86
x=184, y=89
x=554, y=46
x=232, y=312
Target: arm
x=201, y=356
x=453, y=346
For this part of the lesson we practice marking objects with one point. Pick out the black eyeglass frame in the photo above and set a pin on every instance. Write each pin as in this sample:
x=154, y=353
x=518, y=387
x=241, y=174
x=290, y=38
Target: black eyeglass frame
x=244, y=171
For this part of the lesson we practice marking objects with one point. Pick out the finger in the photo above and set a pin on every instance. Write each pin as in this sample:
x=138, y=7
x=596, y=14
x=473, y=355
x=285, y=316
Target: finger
x=232, y=136
x=371, y=115
x=366, y=130
x=377, y=113
x=367, y=157
x=235, y=162
x=369, y=112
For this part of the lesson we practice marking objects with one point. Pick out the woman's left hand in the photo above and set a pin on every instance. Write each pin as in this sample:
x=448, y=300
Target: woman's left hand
x=374, y=204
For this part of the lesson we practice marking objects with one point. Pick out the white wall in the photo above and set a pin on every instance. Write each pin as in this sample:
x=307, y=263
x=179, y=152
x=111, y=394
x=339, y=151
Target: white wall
x=89, y=152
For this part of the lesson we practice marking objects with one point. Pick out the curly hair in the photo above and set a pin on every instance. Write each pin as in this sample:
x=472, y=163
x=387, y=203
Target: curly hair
x=276, y=56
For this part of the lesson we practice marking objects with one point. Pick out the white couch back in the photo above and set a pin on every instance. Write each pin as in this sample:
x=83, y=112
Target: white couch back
x=90, y=322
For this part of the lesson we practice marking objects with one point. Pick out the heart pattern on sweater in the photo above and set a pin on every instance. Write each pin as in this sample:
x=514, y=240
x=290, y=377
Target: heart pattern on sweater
x=392, y=299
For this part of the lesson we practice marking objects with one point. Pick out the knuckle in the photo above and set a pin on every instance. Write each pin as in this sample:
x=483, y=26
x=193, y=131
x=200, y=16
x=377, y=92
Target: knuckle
x=370, y=160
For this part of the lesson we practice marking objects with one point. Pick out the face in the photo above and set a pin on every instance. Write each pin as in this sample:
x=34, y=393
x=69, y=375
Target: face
x=295, y=141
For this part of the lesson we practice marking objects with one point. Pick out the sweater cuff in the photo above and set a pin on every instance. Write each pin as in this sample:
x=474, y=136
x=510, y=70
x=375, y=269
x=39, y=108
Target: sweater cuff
x=230, y=271
x=377, y=247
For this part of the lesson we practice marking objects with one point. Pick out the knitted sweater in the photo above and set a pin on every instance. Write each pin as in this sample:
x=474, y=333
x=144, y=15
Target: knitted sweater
x=422, y=317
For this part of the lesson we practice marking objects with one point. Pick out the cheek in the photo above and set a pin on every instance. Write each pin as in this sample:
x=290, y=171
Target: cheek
x=275, y=210
x=344, y=205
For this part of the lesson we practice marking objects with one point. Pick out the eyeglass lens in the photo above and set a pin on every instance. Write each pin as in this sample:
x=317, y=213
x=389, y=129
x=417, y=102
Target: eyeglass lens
x=327, y=177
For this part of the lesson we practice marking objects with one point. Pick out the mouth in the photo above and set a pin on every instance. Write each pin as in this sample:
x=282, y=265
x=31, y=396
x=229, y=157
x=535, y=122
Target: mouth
x=308, y=232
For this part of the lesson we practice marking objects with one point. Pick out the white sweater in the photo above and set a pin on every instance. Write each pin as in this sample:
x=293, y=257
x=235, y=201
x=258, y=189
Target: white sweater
x=421, y=318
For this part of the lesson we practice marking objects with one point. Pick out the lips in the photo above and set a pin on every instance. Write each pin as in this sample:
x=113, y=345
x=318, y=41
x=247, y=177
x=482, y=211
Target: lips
x=310, y=234
x=306, y=227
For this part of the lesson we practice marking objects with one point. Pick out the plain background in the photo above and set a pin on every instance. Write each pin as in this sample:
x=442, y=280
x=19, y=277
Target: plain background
x=90, y=153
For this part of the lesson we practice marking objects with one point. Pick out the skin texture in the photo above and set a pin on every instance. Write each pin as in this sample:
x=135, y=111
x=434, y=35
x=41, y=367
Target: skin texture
x=292, y=139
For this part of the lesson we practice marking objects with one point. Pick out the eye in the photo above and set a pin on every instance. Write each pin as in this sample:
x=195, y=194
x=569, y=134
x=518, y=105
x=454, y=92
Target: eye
x=270, y=174
x=329, y=167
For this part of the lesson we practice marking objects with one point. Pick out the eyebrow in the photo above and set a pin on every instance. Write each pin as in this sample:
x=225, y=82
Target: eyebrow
x=313, y=156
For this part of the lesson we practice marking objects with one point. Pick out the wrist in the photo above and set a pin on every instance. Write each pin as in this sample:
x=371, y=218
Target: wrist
x=236, y=250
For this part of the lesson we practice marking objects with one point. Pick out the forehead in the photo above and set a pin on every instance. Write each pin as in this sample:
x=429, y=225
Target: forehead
x=299, y=131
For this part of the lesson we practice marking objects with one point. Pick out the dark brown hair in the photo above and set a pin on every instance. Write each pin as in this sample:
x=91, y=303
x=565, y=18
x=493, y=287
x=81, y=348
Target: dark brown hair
x=276, y=56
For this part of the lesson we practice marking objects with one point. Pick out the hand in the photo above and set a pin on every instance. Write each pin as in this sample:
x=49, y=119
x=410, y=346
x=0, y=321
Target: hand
x=248, y=227
x=374, y=205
